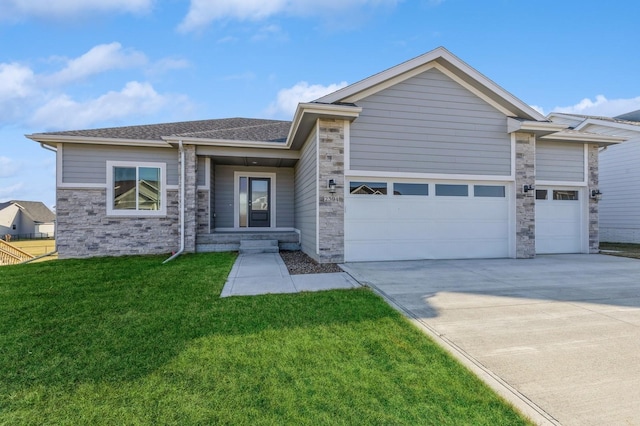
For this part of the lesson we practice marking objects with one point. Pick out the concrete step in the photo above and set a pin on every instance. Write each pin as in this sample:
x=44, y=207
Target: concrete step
x=258, y=246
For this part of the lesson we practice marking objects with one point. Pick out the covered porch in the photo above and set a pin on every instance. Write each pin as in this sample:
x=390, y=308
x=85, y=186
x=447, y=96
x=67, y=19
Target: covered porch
x=245, y=196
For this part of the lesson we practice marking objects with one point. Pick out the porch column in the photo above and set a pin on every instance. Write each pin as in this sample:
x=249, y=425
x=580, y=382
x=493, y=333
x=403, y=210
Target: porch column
x=594, y=228
x=191, y=198
x=525, y=203
x=331, y=205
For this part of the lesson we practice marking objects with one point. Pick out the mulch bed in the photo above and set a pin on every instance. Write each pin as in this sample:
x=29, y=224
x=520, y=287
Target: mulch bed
x=299, y=263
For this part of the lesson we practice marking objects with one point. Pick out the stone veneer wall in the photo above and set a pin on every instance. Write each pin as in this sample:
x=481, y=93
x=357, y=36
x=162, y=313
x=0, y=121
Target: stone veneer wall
x=525, y=203
x=203, y=212
x=331, y=205
x=594, y=236
x=191, y=198
x=85, y=230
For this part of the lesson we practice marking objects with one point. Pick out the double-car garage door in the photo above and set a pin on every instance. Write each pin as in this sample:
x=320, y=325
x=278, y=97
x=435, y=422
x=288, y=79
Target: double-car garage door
x=387, y=220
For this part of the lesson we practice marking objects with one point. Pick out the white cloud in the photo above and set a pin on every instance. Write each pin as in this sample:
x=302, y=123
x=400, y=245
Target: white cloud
x=168, y=64
x=602, y=106
x=288, y=99
x=99, y=59
x=16, y=81
x=23, y=90
x=8, y=167
x=17, y=88
x=11, y=192
x=12, y=10
x=203, y=12
x=135, y=99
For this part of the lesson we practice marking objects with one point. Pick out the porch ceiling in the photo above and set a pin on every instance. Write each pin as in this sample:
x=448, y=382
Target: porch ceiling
x=254, y=161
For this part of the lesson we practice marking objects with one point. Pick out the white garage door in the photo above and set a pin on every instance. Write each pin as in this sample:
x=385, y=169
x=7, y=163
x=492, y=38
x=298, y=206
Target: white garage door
x=404, y=221
x=558, y=220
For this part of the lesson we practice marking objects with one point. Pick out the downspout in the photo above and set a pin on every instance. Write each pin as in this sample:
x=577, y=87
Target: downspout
x=182, y=204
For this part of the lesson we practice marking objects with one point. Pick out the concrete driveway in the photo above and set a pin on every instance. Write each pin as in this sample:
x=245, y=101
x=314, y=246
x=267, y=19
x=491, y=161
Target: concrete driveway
x=558, y=336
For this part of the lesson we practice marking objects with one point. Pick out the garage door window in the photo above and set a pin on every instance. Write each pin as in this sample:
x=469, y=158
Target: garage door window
x=444, y=190
x=368, y=188
x=488, y=191
x=565, y=195
x=541, y=194
x=410, y=189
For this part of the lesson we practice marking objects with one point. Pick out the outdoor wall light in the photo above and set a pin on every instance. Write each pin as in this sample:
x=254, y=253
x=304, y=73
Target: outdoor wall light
x=332, y=185
x=527, y=188
x=596, y=194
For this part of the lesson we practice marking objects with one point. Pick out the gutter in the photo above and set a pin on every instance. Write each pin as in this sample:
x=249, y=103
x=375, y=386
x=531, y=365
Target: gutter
x=182, y=204
x=48, y=148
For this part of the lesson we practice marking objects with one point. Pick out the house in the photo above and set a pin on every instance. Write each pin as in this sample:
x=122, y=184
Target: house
x=26, y=219
x=428, y=159
x=619, y=172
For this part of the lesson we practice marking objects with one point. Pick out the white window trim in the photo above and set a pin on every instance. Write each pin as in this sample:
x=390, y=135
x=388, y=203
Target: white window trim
x=236, y=198
x=137, y=213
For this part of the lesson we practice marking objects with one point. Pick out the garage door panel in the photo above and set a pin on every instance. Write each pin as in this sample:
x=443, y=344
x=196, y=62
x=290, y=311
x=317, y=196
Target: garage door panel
x=425, y=227
x=558, y=225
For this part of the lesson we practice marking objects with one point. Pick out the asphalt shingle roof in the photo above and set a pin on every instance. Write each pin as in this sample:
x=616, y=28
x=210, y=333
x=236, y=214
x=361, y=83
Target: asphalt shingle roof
x=241, y=129
x=36, y=210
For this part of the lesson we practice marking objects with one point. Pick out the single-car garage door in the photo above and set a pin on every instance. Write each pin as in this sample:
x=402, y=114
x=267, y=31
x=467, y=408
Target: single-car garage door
x=558, y=220
x=386, y=220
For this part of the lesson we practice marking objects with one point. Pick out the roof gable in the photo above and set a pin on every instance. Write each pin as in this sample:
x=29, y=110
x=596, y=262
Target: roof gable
x=450, y=65
x=36, y=210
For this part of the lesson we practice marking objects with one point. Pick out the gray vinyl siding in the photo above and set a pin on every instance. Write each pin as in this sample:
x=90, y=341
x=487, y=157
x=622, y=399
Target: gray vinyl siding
x=306, y=176
x=430, y=124
x=559, y=161
x=88, y=163
x=619, y=209
x=224, y=197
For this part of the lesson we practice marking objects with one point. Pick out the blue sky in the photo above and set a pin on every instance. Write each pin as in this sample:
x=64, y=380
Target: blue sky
x=69, y=64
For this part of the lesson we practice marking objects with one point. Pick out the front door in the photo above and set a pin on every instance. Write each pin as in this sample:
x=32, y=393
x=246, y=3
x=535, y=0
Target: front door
x=259, y=202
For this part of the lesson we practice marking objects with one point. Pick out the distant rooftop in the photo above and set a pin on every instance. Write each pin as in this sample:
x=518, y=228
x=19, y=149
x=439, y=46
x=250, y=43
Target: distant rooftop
x=36, y=210
x=241, y=129
x=632, y=118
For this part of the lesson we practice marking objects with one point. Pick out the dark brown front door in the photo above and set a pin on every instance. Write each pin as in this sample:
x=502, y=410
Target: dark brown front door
x=259, y=202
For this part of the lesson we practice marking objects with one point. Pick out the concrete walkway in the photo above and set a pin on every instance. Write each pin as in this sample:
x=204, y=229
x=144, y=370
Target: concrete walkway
x=558, y=336
x=265, y=273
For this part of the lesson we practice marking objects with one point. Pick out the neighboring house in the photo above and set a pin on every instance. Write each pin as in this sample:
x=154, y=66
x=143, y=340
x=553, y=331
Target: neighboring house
x=26, y=219
x=619, y=173
x=428, y=159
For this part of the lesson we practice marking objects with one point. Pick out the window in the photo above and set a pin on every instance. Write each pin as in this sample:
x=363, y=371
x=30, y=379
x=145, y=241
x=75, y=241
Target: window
x=541, y=194
x=368, y=188
x=136, y=189
x=488, y=191
x=452, y=190
x=410, y=189
x=565, y=195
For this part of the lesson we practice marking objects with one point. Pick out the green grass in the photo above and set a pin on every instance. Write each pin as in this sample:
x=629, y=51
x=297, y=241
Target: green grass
x=131, y=341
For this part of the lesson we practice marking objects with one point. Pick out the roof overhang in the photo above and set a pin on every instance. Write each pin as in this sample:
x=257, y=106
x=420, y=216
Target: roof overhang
x=539, y=128
x=175, y=140
x=308, y=113
x=53, y=140
x=583, y=137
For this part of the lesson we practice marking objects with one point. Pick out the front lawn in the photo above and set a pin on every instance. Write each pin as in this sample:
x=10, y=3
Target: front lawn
x=131, y=341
